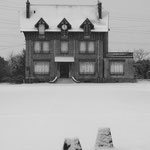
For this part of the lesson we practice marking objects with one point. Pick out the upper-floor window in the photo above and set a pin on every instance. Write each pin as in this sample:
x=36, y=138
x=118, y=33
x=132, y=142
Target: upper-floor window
x=87, y=47
x=87, y=68
x=83, y=47
x=64, y=47
x=37, y=47
x=116, y=67
x=45, y=47
x=41, y=47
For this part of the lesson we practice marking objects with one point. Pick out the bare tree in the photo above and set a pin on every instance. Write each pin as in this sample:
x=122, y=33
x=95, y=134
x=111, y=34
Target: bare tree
x=140, y=54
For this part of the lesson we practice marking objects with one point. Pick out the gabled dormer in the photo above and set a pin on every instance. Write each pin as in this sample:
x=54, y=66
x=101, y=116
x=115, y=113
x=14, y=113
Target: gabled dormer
x=87, y=26
x=41, y=25
x=64, y=26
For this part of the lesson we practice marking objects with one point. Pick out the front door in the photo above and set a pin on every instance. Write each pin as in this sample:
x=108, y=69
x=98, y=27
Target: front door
x=64, y=70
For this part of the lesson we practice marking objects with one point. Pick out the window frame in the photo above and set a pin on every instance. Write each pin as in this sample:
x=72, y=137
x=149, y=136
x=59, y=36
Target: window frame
x=87, y=74
x=41, y=47
x=117, y=73
x=40, y=61
x=87, y=47
x=41, y=29
x=65, y=53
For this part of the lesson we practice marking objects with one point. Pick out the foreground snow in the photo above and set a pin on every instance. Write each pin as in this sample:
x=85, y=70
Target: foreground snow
x=41, y=116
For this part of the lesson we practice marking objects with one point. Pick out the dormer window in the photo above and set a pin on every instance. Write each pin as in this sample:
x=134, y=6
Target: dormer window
x=64, y=25
x=41, y=25
x=41, y=29
x=87, y=30
x=87, y=26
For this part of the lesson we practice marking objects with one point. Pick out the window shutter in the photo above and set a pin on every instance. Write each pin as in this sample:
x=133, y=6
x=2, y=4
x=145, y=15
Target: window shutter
x=46, y=47
x=81, y=68
x=121, y=67
x=87, y=30
x=64, y=47
x=91, y=47
x=82, y=47
x=112, y=68
x=91, y=68
x=117, y=68
x=41, y=29
x=37, y=47
x=87, y=68
x=41, y=67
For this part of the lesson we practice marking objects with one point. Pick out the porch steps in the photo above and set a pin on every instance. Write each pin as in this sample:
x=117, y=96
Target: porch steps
x=65, y=81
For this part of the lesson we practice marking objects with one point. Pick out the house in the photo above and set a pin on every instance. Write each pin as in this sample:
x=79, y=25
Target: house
x=71, y=41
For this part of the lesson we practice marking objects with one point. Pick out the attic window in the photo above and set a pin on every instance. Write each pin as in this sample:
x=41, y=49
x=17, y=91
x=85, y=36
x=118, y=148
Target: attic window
x=41, y=25
x=64, y=25
x=87, y=26
x=87, y=30
x=41, y=29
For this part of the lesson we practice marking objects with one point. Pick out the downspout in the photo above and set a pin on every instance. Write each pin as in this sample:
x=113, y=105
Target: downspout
x=98, y=61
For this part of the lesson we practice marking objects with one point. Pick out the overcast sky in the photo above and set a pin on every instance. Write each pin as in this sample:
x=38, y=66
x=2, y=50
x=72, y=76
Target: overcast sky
x=129, y=24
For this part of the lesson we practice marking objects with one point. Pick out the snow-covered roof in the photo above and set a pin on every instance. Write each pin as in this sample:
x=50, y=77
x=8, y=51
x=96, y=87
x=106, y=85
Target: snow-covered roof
x=54, y=14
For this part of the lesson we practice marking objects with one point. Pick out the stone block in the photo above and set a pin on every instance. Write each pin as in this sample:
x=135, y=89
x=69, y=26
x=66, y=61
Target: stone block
x=104, y=139
x=72, y=144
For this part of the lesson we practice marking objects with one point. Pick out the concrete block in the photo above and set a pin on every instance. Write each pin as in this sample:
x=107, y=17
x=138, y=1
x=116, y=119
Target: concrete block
x=72, y=144
x=104, y=139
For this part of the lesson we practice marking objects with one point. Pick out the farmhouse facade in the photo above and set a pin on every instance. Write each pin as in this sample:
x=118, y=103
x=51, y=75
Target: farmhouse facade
x=71, y=41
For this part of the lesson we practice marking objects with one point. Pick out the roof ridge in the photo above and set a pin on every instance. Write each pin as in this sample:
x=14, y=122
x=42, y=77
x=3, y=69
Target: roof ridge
x=60, y=5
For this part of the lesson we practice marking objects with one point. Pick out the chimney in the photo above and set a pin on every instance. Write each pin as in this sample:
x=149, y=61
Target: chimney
x=99, y=10
x=27, y=9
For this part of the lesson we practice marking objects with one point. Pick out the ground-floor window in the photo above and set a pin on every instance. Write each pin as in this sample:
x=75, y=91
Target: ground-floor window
x=117, y=67
x=87, y=68
x=41, y=67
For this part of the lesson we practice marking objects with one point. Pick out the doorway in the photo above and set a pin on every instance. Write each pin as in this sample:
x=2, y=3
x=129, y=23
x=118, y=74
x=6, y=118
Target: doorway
x=64, y=70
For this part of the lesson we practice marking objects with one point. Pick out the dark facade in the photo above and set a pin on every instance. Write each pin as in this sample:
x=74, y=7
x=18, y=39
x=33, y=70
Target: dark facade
x=100, y=58
x=81, y=56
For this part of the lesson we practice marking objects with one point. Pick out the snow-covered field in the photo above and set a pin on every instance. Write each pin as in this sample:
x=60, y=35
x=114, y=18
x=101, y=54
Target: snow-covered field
x=41, y=116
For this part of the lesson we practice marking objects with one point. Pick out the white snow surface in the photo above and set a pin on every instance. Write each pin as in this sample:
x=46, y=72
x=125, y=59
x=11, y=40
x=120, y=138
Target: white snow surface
x=42, y=116
x=54, y=14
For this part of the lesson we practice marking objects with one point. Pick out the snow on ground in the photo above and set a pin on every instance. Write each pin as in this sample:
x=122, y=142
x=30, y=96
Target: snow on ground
x=41, y=116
